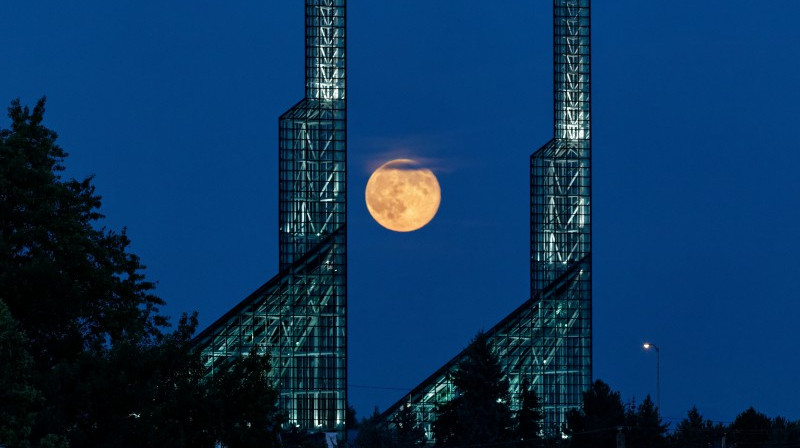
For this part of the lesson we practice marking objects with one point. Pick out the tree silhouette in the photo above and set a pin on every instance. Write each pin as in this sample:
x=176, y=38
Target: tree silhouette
x=69, y=284
x=407, y=432
x=91, y=362
x=696, y=432
x=479, y=413
x=373, y=432
x=596, y=424
x=645, y=427
x=18, y=397
x=751, y=429
x=528, y=420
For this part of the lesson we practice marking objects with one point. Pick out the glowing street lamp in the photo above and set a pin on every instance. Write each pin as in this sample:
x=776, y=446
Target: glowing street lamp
x=648, y=346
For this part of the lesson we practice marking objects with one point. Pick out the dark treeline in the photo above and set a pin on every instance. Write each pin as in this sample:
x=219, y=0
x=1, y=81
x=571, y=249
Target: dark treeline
x=86, y=358
x=480, y=416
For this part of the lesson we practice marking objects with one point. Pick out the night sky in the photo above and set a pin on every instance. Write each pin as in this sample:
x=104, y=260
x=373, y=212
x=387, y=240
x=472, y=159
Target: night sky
x=174, y=107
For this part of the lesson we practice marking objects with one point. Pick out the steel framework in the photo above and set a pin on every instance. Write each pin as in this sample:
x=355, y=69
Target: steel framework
x=548, y=338
x=561, y=221
x=299, y=316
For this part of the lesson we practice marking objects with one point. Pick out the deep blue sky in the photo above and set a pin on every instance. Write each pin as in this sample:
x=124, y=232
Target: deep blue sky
x=174, y=105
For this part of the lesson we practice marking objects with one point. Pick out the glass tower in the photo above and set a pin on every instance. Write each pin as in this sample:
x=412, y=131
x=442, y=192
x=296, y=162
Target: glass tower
x=548, y=339
x=561, y=253
x=299, y=316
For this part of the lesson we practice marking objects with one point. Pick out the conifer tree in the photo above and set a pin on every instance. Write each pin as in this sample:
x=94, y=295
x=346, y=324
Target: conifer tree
x=528, y=420
x=596, y=424
x=645, y=427
x=479, y=413
x=751, y=429
x=407, y=433
x=696, y=432
x=374, y=433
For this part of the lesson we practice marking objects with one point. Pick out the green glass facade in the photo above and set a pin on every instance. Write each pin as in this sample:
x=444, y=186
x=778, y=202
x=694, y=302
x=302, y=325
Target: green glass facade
x=561, y=244
x=299, y=317
x=548, y=339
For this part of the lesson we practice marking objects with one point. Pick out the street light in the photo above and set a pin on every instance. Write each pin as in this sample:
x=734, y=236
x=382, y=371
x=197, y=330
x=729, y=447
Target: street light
x=648, y=346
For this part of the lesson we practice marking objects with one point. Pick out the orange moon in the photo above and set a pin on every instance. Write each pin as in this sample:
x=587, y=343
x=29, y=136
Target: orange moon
x=402, y=196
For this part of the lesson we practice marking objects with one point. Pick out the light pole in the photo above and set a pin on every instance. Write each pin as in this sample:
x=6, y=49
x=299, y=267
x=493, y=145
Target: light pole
x=648, y=346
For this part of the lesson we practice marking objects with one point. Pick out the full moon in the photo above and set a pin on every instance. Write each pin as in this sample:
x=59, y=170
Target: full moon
x=402, y=196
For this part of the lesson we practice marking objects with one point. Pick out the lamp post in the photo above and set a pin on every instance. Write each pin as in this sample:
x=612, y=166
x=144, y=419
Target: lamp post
x=648, y=346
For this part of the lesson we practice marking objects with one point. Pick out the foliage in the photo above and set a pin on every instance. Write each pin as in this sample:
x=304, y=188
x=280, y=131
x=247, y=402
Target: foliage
x=528, y=420
x=784, y=433
x=596, y=424
x=300, y=438
x=86, y=359
x=402, y=432
x=118, y=395
x=751, y=429
x=68, y=284
x=18, y=397
x=351, y=421
x=696, y=432
x=407, y=432
x=645, y=427
x=479, y=413
x=373, y=432
x=603, y=417
x=244, y=404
